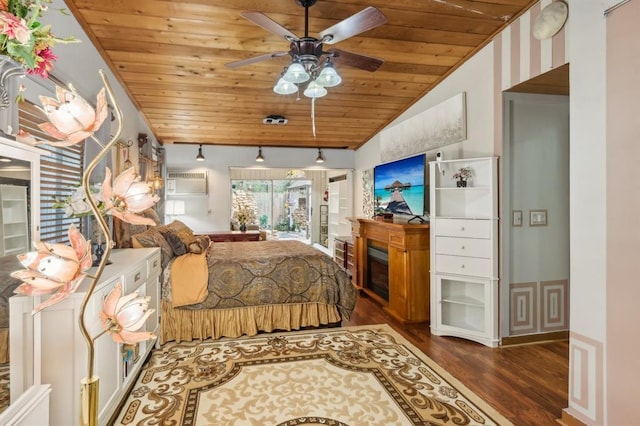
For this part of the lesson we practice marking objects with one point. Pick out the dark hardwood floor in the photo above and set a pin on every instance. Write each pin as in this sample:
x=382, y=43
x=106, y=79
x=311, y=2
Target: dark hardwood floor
x=527, y=384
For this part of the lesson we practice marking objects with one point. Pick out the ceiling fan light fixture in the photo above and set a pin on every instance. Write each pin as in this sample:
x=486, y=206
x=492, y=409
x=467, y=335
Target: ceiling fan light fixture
x=314, y=90
x=296, y=73
x=284, y=87
x=328, y=76
x=320, y=157
x=200, y=157
x=259, y=158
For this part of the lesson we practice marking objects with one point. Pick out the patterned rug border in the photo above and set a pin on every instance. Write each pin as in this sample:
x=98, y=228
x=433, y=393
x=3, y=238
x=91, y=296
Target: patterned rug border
x=446, y=375
x=129, y=409
x=400, y=339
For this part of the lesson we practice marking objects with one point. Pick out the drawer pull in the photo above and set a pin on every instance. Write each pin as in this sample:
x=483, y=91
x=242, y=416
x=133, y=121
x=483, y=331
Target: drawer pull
x=462, y=248
x=462, y=267
x=137, y=277
x=155, y=263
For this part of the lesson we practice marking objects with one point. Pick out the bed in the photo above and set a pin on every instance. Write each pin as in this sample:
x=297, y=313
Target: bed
x=249, y=287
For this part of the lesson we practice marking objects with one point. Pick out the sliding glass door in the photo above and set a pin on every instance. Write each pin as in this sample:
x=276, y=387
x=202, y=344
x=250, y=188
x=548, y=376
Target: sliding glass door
x=282, y=206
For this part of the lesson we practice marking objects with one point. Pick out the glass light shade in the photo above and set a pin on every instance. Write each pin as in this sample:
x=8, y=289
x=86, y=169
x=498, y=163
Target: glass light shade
x=314, y=90
x=157, y=182
x=320, y=157
x=259, y=158
x=328, y=77
x=283, y=87
x=296, y=73
x=200, y=157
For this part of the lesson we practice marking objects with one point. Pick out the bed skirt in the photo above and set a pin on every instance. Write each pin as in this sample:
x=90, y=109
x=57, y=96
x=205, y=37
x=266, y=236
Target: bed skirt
x=187, y=324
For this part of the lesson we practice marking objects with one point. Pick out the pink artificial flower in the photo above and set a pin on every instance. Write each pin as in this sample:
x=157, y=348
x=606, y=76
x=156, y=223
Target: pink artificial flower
x=122, y=316
x=15, y=28
x=26, y=137
x=54, y=267
x=72, y=119
x=127, y=197
x=44, y=63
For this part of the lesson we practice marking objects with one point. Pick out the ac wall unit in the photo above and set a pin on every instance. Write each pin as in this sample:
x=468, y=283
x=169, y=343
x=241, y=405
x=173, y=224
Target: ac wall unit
x=186, y=183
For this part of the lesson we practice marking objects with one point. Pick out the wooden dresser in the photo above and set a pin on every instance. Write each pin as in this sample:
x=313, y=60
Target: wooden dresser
x=222, y=236
x=407, y=246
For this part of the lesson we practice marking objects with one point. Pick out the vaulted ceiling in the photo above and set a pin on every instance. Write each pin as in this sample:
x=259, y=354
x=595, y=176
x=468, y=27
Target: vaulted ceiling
x=170, y=56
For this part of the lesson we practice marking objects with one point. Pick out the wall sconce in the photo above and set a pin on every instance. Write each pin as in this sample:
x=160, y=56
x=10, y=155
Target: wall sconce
x=259, y=158
x=320, y=157
x=200, y=157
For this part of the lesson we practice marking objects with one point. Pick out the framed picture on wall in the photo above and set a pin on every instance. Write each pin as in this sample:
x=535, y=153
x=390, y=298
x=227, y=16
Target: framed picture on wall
x=537, y=218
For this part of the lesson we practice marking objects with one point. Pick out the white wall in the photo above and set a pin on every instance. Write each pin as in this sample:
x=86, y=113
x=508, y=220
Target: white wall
x=475, y=78
x=212, y=212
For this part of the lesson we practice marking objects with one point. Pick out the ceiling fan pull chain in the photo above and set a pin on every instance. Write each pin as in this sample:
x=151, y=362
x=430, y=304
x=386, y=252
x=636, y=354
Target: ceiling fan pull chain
x=313, y=116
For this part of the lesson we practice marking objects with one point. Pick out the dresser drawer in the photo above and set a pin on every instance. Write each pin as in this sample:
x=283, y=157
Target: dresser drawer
x=474, y=247
x=463, y=228
x=134, y=278
x=462, y=265
x=154, y=266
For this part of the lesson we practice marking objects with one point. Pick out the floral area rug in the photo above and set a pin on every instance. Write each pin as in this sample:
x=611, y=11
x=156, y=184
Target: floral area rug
x=365, y=375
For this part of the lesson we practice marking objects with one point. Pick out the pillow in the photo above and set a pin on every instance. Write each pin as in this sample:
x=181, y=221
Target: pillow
x=153, y=238
x=177, y=245
x=124, y=231
x=199, y=244
x=183, y=231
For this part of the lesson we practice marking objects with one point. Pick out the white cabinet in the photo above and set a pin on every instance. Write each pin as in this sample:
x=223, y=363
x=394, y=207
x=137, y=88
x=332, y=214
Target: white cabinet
x=339, y=207
x=64, y=350
x=464, y=250
x=13, y=220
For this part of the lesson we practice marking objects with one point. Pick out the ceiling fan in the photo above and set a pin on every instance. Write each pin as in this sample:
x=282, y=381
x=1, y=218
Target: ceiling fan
x=309, y=51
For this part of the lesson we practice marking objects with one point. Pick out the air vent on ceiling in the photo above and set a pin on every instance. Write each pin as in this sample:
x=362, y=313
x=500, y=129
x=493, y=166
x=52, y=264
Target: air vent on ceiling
x=275, y=119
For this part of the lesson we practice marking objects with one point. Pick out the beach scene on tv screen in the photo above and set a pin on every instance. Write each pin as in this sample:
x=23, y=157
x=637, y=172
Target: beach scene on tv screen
x=399, y=186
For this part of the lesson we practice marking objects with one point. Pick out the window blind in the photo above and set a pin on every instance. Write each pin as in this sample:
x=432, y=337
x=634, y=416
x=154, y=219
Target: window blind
x=60, y=175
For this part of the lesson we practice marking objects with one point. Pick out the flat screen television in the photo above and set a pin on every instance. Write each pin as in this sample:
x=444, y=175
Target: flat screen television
x=400, y=186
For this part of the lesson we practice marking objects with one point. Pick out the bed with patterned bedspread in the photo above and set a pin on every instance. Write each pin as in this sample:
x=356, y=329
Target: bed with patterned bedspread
x=260, y=286
x=245, y=287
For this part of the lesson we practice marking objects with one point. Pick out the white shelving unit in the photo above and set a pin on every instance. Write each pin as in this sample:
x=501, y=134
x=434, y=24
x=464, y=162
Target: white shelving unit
x=339, y=208
x=464, y=251
x=14, y=220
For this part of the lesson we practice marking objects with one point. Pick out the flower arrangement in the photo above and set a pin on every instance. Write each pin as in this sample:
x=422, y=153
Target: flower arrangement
x=25, y=39
x=242, y=217
x=463, y=174
x=76, y=204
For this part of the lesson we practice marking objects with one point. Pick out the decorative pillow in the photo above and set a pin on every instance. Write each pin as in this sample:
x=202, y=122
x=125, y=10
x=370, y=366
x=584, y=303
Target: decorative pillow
x=177, y=245
x=153, y=238
x=199, y=244
x=124, y=231
x=183, y=231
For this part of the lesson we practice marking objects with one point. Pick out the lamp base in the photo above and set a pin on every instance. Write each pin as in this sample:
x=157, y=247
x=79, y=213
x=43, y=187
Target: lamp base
x=89, y=401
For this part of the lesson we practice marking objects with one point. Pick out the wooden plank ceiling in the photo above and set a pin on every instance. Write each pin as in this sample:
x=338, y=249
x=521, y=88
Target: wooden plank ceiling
x=171, y=55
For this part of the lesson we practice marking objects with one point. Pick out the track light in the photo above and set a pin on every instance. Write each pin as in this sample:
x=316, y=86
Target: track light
x=259, y=158
x=200, y=157
x=320, y=157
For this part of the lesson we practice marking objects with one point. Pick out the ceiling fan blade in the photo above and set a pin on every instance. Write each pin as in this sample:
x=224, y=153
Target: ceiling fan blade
x=360, y=22
x=355, y=60
x=255, y=59
x=262, y=20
